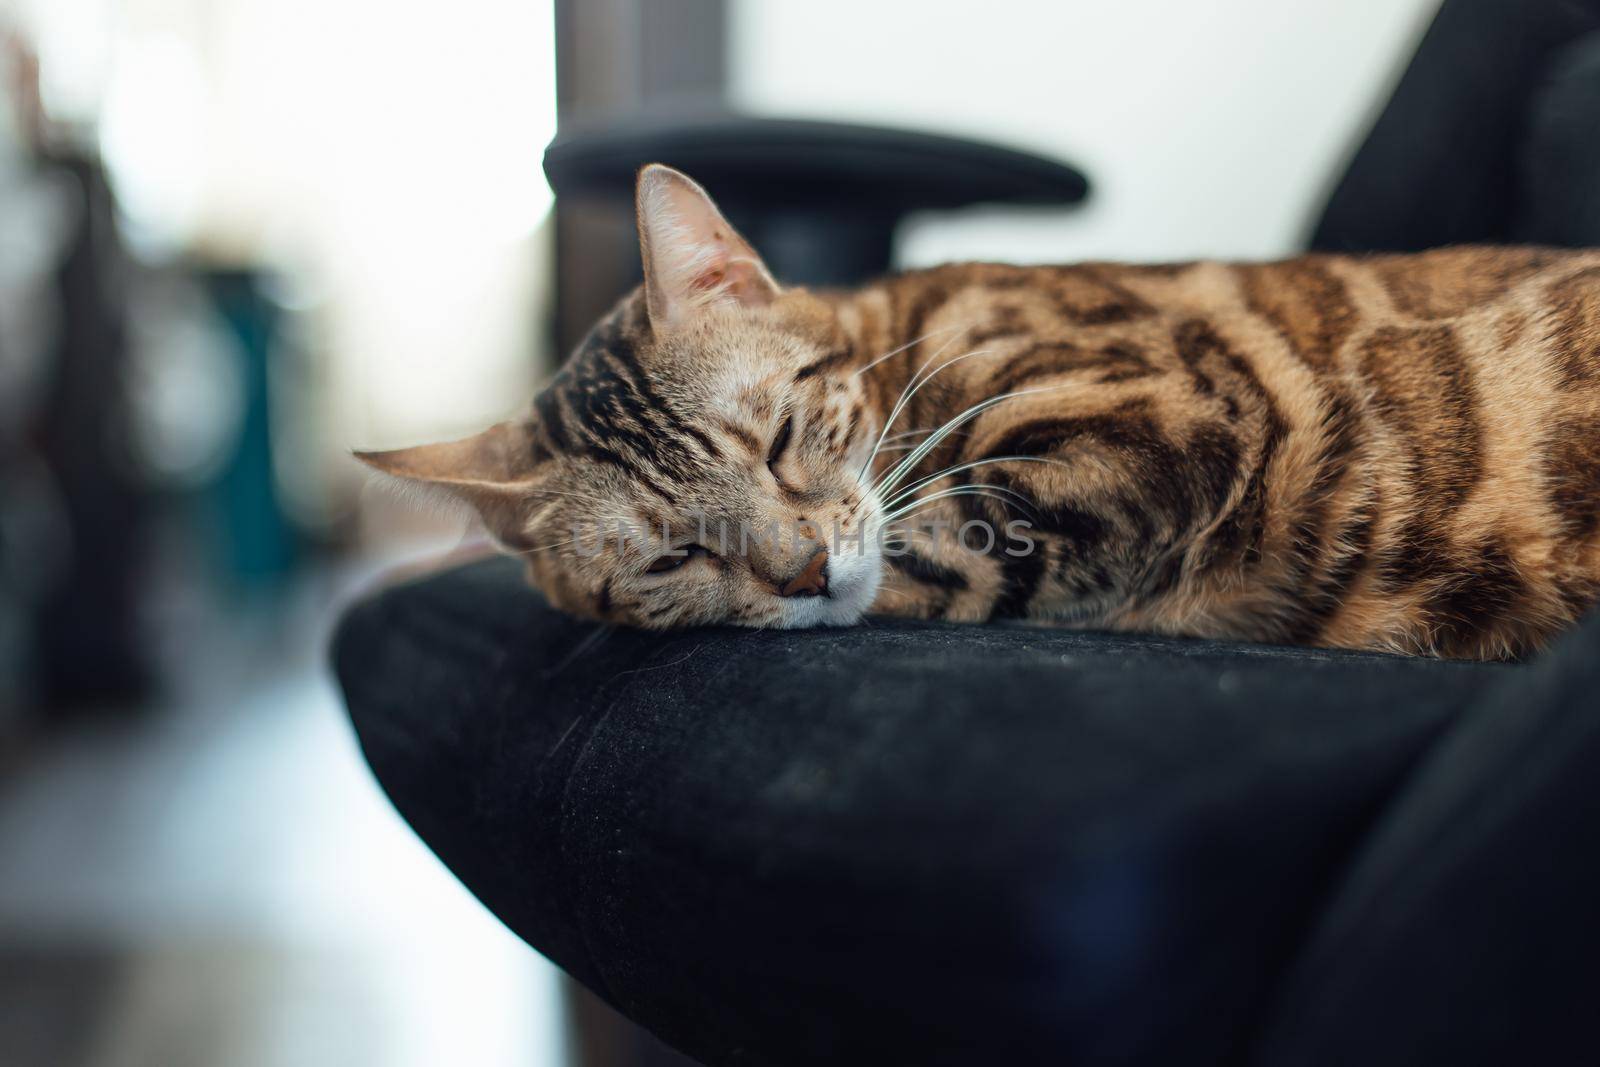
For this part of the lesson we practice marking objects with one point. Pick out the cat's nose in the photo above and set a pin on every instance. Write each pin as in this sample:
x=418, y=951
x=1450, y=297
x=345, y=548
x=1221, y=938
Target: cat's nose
x=812, y=579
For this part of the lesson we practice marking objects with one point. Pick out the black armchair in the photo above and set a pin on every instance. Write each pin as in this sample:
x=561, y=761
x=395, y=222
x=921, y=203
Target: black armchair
x=925, y=843
x=820, y=199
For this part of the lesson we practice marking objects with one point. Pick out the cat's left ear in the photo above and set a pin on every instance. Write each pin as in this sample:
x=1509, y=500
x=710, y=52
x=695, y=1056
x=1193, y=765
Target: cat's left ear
x=692, y=258
x=495, y=472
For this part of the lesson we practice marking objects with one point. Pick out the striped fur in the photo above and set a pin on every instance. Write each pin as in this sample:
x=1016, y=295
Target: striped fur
x=1386, y=452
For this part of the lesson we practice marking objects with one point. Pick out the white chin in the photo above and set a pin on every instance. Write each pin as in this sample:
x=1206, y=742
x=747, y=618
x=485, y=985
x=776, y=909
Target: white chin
x=853, y=579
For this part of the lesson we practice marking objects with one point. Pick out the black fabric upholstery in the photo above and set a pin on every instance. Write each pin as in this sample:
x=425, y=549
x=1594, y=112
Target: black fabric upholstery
x=1487, y=138
x=1559, y=170
x=927, y=843
x=822, y=200
x=807, y=165
x=1464, y=930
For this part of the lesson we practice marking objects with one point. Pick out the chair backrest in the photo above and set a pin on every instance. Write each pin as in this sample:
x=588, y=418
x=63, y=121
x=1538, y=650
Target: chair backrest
x=1488, y=114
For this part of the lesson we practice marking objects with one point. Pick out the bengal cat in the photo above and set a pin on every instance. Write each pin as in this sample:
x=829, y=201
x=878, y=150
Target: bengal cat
x=1381, y=452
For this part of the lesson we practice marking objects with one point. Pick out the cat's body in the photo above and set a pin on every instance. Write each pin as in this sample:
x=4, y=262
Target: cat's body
x=1391, y=452
x=1396, y=452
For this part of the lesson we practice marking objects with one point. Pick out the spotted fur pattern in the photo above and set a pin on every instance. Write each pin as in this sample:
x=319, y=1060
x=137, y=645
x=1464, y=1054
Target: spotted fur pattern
x=1382, y=452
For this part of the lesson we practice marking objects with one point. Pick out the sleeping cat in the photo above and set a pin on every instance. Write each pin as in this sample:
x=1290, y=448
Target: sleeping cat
x=1385, y=452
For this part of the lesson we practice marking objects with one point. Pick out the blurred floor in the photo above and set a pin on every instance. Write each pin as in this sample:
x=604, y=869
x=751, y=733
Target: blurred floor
x=218, y=881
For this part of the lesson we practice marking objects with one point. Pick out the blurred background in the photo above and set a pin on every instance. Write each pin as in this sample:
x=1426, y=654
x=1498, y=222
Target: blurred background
x=240, y=237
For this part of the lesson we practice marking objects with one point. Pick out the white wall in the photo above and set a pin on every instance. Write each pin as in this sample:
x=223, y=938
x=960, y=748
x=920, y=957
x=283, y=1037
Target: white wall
x=1209, y=127
x=383, y=156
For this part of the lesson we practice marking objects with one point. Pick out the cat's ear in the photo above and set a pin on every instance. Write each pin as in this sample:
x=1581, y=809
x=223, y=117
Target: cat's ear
x=493, y=471
x=692, y=258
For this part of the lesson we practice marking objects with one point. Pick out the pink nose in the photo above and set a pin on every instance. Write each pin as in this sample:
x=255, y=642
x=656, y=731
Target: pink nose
x=811, y=581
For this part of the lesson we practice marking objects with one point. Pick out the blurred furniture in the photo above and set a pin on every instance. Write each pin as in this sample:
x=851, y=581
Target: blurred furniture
x=73, y=510
x=87, y=643
x=641, y=83
x=617, y=58
x=822, y=200
x=257, y=541
x=1491, y=136
x=919, y=843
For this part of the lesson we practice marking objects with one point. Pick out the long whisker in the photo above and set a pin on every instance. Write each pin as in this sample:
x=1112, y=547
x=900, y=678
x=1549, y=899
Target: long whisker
x=984, y=489
x=948, y=471
x=896, y=437
x=911, y=387
x=993, y=492
x=905, y=542
x=997, y=493
x=909, y=344
x=882, y=447
x=543, y=548
x=894, y=476
x=906, y=399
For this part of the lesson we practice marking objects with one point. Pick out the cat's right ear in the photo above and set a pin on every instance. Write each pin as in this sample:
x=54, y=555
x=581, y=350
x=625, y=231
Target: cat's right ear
x=692, y=258
x=494, y=471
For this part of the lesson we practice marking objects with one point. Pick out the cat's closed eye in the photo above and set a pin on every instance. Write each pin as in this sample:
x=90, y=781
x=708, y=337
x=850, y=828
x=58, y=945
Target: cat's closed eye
x=671, y=561
x=780, y=443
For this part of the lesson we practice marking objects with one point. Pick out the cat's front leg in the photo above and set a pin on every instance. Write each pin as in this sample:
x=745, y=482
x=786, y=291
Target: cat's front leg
x=943, y=566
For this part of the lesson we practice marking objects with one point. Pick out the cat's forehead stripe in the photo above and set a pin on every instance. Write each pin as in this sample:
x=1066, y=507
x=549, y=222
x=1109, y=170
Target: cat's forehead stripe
x=617, y=415
x=828, y=364
x=740, y=434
